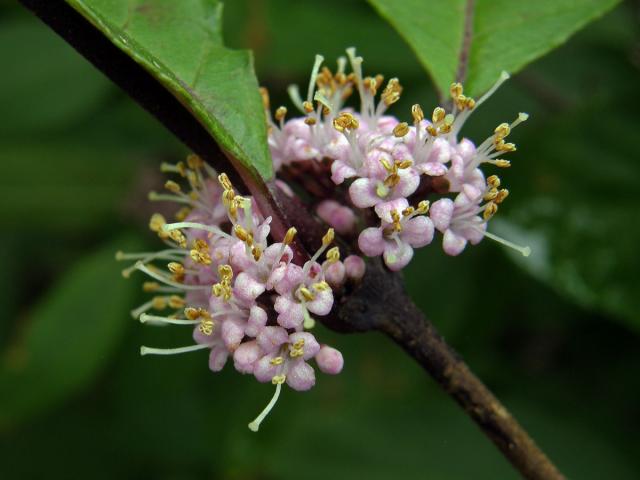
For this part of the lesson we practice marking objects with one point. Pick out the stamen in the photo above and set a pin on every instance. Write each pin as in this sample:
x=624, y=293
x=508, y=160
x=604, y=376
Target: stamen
x=144, y=318
x=173, y=351
x=294, y=95
x=314, y=75
x=197, y=226
x=525, y=251
x=255, y=425
x=161, y=278
x=504, y=76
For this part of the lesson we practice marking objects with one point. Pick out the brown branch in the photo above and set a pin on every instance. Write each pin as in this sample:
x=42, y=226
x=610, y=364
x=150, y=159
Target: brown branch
x=377, y=303
x=380, y=303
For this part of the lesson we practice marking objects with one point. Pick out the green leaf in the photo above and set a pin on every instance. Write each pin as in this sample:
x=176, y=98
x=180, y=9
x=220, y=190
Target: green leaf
x=576, y=205
x=36, y=93
x=55, y=198
x=180, y=44
x=505, y=34
x=68, y=337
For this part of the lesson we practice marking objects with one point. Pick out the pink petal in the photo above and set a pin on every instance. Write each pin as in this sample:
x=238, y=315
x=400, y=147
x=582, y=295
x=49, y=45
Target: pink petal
x=245, y=356
x=441, y=212
x=329, y=360
x=417, y=231
x=322, y=303
x=396, y=257
x=218, y=358
x=453, y=244
x=263, y=370
x=371, y=242
x=363, y=192
x=290, y=312
x=270, y=338
x=301, y=376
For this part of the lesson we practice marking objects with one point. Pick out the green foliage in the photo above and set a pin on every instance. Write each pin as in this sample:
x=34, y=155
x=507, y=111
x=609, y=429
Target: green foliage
x=44, y=95
x=68, y=338
x=180, y=44
x=507, y=34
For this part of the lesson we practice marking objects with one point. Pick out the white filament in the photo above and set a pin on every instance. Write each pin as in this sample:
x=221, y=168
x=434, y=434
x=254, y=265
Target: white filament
x=255, y=425
x=173, y=351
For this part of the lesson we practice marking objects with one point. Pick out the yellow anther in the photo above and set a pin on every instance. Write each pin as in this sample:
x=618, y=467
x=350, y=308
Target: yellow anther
x=241, y=233
x=206, y=326
x=423, y=207
x=256, y=252
x=150, y=286
x=502, y=163
x=502, y=195
x=306, y=294
x=506, y=147
x=321, y=286
x=176, y=268
x=200, y=256
x=176, y=302
x=455, y=90
x=493, y=181
x=491, y=194
x=281, y=112
x=404, y=164
x=401, y=129
x=310, y=121
x=307, y=106
x=156, y=222
x=192, y=313
x=333, y=255
x=387, y=166
x=345, y=121
x=417, y=113
x=408, y=211
x=490, y=210
x=172, y=186
x=225, y=272
x=194, y=161
x=178, y=237
x=470, y=104
x=182, y=214
x=438, y=114
x=278, y=379
x=502, y=130
x=289, y=236
x=299, y=344
x=159, y=303
x=225, y=182
x=276, y=361
x=328, y=237
x=392, y=91
x=200, y=245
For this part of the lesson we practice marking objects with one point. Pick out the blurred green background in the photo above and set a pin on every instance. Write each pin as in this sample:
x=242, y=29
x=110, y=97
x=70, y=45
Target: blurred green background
x=555, y=336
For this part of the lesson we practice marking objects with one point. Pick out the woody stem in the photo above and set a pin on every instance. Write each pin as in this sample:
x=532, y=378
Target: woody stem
x=380, y=303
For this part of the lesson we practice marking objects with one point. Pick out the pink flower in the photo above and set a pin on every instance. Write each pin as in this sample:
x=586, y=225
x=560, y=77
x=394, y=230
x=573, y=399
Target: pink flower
x=460, y=222
x=399, y=233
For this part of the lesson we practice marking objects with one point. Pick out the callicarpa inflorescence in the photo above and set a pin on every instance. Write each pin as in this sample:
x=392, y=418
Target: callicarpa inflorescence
x=365, y=174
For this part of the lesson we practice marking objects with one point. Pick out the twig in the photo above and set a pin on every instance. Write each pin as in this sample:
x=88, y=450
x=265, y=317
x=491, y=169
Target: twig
x=378, y=303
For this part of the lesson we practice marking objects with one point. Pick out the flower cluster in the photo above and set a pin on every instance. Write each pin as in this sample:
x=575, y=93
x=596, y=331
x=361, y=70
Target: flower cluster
x=243, y=295
x=364, y=173
x=386, y=162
